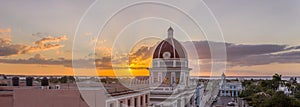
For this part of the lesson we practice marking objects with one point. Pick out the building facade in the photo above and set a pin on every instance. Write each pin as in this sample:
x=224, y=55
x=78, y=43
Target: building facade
x=229, y=89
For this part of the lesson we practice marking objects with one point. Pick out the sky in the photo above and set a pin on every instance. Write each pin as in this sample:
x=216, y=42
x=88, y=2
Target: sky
x=37, y=37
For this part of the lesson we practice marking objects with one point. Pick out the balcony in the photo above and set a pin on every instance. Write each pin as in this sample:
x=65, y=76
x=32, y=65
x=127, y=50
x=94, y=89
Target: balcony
x=163, y=90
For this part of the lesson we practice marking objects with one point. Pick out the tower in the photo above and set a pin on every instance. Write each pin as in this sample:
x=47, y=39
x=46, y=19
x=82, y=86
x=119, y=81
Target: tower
x=223, y=79
x=170, y=32
x=169, y=75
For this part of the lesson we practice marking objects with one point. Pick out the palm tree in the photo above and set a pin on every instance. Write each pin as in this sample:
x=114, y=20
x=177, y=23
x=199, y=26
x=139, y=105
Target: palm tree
x=276, y=80
x=276, y=77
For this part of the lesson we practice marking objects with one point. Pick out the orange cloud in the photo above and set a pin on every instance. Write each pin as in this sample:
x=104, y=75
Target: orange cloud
x=7, y=48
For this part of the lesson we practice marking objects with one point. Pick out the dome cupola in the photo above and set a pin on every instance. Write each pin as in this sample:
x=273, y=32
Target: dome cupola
x=169, y=48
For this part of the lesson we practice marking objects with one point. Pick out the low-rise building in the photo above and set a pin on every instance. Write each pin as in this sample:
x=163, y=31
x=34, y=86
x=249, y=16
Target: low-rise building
x=285, y=89
x=89, y=94
x=229, y=89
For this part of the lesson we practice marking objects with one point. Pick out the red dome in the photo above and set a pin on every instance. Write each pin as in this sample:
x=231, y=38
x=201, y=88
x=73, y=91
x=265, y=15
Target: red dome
x=169, y=48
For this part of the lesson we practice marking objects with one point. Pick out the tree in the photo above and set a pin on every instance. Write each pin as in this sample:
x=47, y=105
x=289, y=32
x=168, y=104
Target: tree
x=276, y=77
x=279, y=99
x=270, y=92
x=276, y=81
x=246, y=83
x=65, y=79
x=267, y=84
x=289, y=86
x=258, y=100
x=250, y=90
x=297, y=94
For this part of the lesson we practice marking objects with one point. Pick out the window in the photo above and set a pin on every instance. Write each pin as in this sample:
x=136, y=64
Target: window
x=146, y=99
x=111, y=105
x=173, y=80
x=128, y=102
x=121, y=104
x=135, y=102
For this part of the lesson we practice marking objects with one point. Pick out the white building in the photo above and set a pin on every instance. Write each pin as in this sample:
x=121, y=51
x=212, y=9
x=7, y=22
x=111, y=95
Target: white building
x=285, y=89
x=298, y=79
x=199, y=95
x=230, y=89
x=170, y=82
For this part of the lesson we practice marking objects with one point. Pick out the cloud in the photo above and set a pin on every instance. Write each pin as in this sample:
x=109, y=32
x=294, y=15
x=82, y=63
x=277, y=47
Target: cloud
x=234, y=51
x=237, y=55
x=104, y=62
x=47, y=43
x=48, y=39
x=248, y=55
x=37, y=59
x=288, y=57
x=5, y=33
x=142, y=56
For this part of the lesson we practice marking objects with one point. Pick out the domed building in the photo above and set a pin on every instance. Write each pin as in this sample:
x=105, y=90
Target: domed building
x=170, y=75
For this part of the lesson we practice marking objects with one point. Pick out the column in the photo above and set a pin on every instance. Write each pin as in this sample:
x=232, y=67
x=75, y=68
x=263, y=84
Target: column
x=151, y=78
x=178, y=102
x=182, y=102
x=144, y=100
x=125, y=102
x=132, y=102
x=139, y=101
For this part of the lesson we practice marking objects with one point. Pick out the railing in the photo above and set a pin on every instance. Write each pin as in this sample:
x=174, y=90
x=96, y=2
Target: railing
x=163, y=90
x=169, y=63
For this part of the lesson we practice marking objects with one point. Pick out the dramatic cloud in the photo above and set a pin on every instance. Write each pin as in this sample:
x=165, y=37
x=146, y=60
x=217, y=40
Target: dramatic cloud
x=37, y=59
x=142, y=56
x=234, y=51
x=48, y=43
x=237, y=55
x=104, y=62
x=288, y=57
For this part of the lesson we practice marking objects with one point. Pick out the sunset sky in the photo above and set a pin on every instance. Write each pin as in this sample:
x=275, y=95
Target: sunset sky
x=36, y=38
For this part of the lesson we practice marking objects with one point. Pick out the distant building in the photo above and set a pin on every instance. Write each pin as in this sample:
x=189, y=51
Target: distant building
x=229, y=89
x=285, y=89
x=170, y=81
x=199, y=95
x=298, y=80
